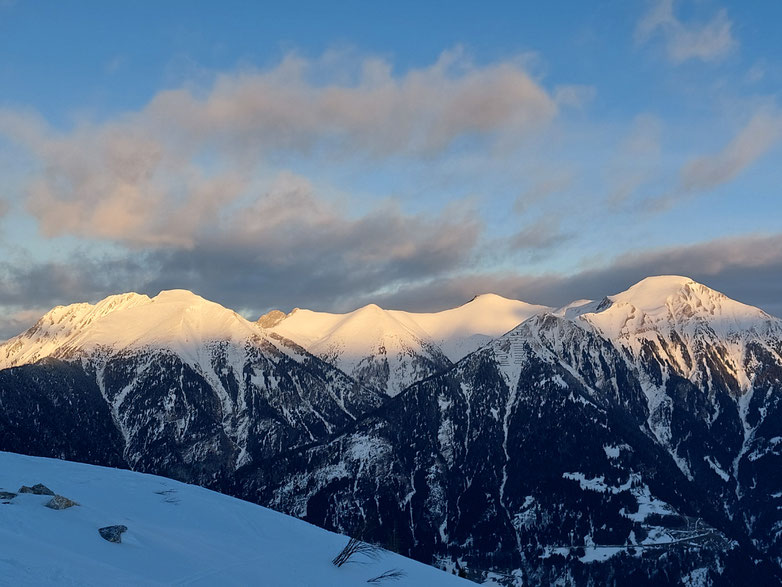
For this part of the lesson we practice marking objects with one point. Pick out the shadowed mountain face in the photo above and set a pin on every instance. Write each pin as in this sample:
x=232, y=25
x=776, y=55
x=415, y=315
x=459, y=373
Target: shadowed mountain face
x=634, y=438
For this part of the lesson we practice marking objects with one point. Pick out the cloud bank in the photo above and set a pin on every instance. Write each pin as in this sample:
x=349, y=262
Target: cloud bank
x=746, y=269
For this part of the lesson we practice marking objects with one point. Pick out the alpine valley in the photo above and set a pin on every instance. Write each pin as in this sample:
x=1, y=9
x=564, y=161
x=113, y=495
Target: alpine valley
x=631, y=439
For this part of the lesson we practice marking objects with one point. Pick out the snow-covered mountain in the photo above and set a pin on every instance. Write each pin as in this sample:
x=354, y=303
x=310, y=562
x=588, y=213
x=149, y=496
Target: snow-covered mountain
x=643, y=424
x=193, y=389
x=178, y=321
x=176, y=534
x=633, y=436
x=390, y=349
x=711, y=372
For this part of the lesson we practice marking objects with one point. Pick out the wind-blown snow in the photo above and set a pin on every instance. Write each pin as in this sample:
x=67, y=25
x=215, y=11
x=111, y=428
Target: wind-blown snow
x=177, y=535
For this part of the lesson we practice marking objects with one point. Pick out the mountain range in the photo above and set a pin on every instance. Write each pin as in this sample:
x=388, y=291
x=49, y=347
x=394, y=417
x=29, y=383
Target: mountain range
x=637, y=437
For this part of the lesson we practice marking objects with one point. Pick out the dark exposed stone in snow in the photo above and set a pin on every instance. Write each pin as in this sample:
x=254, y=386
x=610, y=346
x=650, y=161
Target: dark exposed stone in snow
x=7, y=495
x=113, y=533
x=37, y=489
x=59, y=502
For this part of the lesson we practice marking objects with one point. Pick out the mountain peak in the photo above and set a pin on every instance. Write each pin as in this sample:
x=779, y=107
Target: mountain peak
x=490, y=298
x=653, y=292
x=179, y=296
x=671, y=301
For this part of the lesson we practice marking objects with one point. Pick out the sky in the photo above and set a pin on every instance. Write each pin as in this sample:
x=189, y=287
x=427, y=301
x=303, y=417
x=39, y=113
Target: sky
x=411, y=154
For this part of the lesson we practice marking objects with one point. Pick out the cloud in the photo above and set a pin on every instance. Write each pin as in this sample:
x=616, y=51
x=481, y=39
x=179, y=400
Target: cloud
x=704, y=173
x=552, y=183
x=574, y=96
x=539, y=236
x=14, y=322
x=253, y=281
x=761, y=132
x=161, y=176
x=708, y=41
x=636, y=161
x=745, y=268
x=291, y=247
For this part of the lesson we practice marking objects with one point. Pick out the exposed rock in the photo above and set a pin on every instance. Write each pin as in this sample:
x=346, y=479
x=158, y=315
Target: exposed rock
x=271, y=319
x=59, y=502
x=7, y=495
x=37, y=489
x=113, y=533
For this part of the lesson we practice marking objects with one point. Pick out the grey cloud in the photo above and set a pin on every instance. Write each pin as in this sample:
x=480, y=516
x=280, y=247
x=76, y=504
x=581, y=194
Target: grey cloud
x=423, y=110
x=289, y=249
x=25, y=283
x=254, y=280
x=539, y=236
x=747, y=269
x=708, y=41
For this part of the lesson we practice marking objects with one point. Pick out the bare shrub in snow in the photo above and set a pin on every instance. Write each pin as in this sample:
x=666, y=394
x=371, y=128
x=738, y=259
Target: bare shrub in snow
x=389, y=575
x=354, y=547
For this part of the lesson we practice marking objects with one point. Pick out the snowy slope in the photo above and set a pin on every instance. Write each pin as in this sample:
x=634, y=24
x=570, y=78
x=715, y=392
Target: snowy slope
x=396, y=347
x=462, y=330
x=177, y=535
x=681, y=322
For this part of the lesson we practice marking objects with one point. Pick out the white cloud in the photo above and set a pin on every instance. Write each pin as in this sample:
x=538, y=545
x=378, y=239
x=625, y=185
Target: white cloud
x=636, y=161
x=574, y=95
x=759, y=134
x=708, y=41
x=163, y=175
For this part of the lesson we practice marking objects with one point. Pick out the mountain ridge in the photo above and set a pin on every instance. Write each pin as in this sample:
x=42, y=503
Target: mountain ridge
x=563, y=447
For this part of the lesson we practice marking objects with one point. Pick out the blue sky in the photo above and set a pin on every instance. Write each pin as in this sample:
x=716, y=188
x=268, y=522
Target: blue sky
x=408, y=153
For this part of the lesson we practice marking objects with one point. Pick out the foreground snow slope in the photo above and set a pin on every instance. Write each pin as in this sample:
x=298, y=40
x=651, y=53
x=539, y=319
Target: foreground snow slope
x=177, y=534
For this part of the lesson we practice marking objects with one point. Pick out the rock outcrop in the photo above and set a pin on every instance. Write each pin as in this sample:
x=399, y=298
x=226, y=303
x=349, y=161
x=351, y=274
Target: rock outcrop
x=113, y=533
